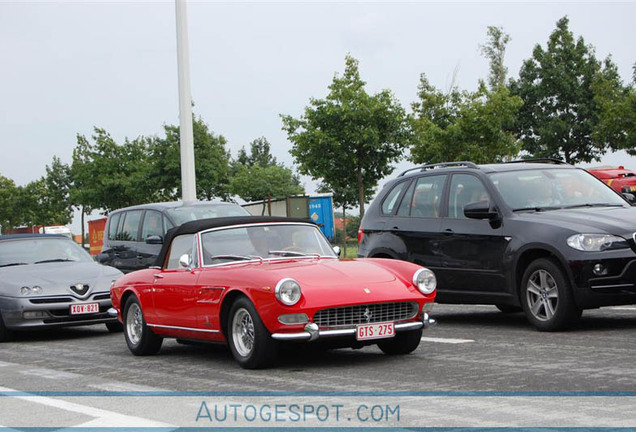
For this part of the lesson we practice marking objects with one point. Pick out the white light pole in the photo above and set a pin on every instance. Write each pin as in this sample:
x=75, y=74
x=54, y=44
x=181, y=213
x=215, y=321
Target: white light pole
x=188, y=178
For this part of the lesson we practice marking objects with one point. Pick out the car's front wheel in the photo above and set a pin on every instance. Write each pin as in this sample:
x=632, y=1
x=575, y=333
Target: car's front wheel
x=402, y=343
x=139, y=338
x=114, y=327
x=250, y=343
x=546, y=296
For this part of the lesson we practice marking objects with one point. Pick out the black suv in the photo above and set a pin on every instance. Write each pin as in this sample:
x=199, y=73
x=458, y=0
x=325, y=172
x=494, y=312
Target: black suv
x=134, y=235
x=542, y=235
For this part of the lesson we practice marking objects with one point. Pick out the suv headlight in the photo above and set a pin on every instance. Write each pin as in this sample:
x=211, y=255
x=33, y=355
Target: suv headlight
x=424, y=279
x=596, y=242
x=287, y=291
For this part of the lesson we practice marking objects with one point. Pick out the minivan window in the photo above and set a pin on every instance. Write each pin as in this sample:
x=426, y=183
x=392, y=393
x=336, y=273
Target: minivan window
x=423, y=198
x=112, y=226
x=153, y=225
x=391, y=199
x=183, y=214
x=465, y=189
x=130, y=227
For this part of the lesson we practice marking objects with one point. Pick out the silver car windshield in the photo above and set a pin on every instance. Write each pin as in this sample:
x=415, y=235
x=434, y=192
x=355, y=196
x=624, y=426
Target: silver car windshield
x=26, y=251
x=263, y=241
x=189, y=213
x=554, y=189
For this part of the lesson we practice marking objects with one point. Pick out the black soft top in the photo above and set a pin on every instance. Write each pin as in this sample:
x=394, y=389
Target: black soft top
x=195, y=226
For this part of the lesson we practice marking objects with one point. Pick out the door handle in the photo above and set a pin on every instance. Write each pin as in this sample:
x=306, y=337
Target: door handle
x=158, y=276
x=448, y=231
x=140, y=257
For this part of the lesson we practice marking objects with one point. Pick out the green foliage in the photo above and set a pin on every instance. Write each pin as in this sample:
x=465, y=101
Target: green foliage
x=561, y=111
x=9, y=212
x=259, y=154
x=463, y=125
x=495, y=50
x=257, y=182
x=55, y=207
x=211, y=163
x=350, y=138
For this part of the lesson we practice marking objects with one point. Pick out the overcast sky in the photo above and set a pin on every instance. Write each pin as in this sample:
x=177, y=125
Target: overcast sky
x=67, y=67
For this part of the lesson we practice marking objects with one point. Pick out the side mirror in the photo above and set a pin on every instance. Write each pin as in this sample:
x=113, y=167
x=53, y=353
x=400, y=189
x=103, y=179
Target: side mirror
x=185, y=261
x=480, y=210
x=630, y=198
x=154, y=240
x=336, y=249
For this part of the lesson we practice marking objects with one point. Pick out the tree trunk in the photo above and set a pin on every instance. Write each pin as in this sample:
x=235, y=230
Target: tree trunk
x=360, y=192
x=344, y=231
x=82, y=218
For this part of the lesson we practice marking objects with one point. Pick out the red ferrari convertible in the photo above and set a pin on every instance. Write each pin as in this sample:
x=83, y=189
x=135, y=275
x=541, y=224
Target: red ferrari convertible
x=257, y=282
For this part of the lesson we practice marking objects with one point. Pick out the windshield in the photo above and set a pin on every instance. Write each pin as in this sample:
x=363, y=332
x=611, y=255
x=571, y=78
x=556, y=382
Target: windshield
x=263, y=242
x=554, y=188
x=185, y=214
x=32, y=250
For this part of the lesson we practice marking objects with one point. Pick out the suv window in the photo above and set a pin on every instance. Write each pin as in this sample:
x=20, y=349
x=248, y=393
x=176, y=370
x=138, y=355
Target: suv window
x=389, y=203
x=465, y=189
x=153, y=225
x=112, y=226
x=130, y=227
x=180, y=245
x=422, y=199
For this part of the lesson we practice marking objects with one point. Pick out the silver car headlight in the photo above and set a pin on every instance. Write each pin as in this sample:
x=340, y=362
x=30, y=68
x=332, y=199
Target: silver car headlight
x=288, y=291
x=425, y=280
x=596, y=242
x=34, y=290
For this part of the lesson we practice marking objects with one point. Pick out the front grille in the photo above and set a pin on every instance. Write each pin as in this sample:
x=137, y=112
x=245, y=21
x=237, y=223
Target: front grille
x=365, y=314
x=48, y=300
x=102, y=297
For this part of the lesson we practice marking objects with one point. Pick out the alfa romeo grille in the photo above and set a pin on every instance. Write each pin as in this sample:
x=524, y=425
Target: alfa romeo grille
x=365, y=314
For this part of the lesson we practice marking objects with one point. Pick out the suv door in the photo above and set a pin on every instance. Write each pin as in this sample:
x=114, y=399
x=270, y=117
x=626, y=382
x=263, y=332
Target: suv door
x=471, y=250
x=152, y=226
x=124, y=247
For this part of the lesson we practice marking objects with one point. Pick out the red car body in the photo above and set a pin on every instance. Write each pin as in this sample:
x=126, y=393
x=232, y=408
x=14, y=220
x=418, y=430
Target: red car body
x=195, y=301
x=618, y=178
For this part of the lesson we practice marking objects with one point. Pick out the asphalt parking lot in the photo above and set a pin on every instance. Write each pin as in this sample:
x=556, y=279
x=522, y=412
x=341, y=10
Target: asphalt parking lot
x=472, y=349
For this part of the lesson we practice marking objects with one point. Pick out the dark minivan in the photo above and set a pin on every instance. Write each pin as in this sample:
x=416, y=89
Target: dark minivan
x=541, y=236
x=134, y=235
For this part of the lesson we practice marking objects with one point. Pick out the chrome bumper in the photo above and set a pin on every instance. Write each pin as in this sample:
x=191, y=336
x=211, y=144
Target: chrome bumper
x=312, y=333
x=112, y=312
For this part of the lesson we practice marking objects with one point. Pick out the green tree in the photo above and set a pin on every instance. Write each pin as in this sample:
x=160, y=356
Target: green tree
x=9, y=215
x=561, y=111
x=211, y=163
x=257, y=182
x=259, y=154
x=495, y=50
x=350, y=138
x=58, y=184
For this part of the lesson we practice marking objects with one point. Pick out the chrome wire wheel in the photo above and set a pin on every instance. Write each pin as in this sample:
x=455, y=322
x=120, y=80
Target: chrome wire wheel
x=243, y=332
x=134, y=324
x=542, y=295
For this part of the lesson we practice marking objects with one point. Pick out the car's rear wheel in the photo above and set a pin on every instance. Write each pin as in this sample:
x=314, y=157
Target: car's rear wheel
x=5, y=334
x=139, y=338
x=250, y=343
x=114, y=327
x=402, y=343
x=546, y=296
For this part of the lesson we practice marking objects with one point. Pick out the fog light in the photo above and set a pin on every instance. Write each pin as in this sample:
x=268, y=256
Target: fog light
x=599, y=270
x=289, y=319
x=428, y=307
x=34, y=315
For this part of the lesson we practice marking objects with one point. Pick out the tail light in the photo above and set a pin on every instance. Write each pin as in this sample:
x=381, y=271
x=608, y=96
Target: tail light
x=360, y=234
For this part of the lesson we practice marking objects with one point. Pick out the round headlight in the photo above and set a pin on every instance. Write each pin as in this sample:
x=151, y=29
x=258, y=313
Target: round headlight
x=424, y=279
x=288, y=291
x=36, y=290
x=25, y=290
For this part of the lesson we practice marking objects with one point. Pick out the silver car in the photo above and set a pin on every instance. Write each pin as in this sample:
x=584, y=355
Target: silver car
x=50, y=281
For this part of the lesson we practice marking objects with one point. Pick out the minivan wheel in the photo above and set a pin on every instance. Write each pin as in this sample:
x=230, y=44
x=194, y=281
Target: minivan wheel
x=546, y=296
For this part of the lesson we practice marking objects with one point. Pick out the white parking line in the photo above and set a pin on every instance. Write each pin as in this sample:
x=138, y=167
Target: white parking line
x=447, y=341
x=103, y=418
x=50, y=373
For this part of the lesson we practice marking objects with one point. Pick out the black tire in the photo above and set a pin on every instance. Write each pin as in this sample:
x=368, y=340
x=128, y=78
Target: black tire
x=402, y=343
x=5, y=334
x=139, y=337
x=255, y=348
x=546, y=296
x=509, y=309
x=115, y=327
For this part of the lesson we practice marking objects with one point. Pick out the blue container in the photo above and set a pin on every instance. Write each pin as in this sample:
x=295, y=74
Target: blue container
x=321, y=212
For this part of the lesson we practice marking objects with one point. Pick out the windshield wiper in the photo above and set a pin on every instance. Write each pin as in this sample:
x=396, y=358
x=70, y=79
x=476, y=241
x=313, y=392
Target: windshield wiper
x=54, y=260
x=235, y=257
x=537, y=208
x=292, y=253
x=12, y=264
x=592, y=205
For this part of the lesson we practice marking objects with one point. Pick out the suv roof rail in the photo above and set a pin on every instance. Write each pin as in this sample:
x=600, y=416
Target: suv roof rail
x=539, y=160
x=440, y=165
